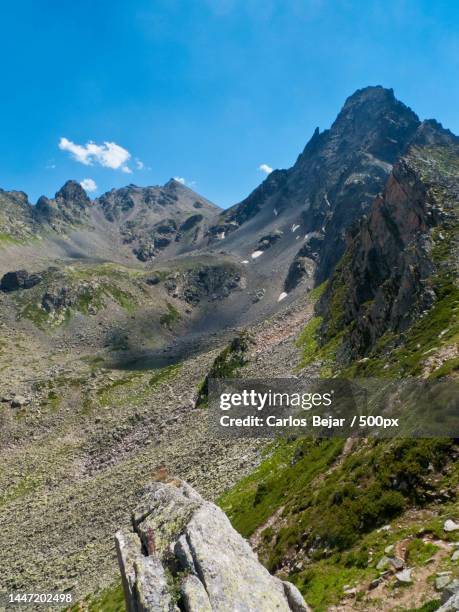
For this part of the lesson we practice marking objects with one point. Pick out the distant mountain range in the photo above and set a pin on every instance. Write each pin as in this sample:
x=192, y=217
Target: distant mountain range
x=297, y=217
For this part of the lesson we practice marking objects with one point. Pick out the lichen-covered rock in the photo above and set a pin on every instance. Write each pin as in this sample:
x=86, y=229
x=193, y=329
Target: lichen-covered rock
x=194, y=595
x=152, y=589
x=294, y=598
x=183, y=551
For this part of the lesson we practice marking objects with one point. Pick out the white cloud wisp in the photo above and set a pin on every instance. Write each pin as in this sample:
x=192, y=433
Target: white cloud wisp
x=265, y=168
x=108, y=154
x=89, y=185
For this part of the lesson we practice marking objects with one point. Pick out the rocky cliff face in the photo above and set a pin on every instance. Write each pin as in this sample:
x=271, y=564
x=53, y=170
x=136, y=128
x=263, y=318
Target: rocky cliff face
x=334, y=180
x=397, y=263
x=183, y=554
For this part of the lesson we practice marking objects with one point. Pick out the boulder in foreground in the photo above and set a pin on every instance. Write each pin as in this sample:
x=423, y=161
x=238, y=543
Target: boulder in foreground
x=183, y=554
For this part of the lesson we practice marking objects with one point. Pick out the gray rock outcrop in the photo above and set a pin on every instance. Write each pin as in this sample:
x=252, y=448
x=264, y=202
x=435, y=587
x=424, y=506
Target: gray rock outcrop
x=183, y=554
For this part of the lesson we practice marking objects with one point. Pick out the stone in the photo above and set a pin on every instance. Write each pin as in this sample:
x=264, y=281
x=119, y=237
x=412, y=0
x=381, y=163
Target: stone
x=19, y=401
x=155, y=592
x=350, y=592
x=194, y=595
x=383, y=563
x=161, y=242
x=455, y=556
x=128, y=548
x=191, y=222
x=441, y=582
x=176, y=532
x=183, y=553
x=259, y=295
x=21, y=279
x=397, y=563
x=389, y=549
x=294, y=598
x=153, y=280
x=450, y=525
x=451, y=589
x=451, y=605
x=404, y=577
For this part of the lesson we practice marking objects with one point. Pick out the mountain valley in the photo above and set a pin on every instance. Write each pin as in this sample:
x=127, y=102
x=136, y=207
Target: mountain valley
x=114, y=313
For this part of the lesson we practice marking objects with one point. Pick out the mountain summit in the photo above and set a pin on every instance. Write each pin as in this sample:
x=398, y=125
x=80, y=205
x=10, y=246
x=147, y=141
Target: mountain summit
x=333, y=181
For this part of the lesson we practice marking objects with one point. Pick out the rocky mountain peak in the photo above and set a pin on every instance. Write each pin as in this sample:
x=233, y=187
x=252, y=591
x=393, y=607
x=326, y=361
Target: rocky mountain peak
x=374, y=121
x=69, y=206
x=373, y=94
x=72, y=193
x=20, y=197
x=156, y=220
x=331, y=185
x=173, y=184
x=377, y=98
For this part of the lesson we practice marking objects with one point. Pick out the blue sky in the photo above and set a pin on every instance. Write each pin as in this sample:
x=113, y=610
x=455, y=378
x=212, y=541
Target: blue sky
x=207, y=90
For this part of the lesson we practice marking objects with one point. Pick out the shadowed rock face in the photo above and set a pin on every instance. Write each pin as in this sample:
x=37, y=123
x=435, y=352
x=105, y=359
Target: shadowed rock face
x=383, y=282
x=21, y=279
x=183, y=550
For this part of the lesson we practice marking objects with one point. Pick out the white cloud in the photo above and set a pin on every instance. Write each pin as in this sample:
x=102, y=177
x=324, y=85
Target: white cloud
x=265, y=168
x=139, y=164
x=108, y=154
x=88, y=185
x=180, y=179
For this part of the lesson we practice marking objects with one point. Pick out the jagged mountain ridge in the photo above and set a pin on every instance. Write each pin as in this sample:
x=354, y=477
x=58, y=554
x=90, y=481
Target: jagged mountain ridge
x=299, y=216
x=154, y=220
x=332, y=183
x=128, y=224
